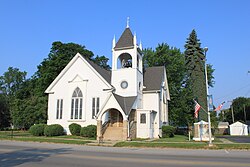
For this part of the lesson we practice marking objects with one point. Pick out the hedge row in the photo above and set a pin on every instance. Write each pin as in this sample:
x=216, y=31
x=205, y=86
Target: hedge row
x=57, y=130
x=46, y=130
x=88, y=131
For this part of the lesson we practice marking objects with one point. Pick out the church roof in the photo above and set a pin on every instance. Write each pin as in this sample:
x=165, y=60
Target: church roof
x=126, y=103
x=153, y=78
x=126, y=39
x=106, y=74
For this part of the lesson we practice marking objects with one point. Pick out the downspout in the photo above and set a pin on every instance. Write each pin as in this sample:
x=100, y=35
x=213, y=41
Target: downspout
x=128, y=136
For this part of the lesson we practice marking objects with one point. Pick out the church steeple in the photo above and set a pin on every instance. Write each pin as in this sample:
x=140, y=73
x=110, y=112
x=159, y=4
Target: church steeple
x=127, y=74
x=126, y=40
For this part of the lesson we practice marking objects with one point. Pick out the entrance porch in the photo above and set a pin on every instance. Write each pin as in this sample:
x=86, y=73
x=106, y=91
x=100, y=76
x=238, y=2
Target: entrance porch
x=112, y=126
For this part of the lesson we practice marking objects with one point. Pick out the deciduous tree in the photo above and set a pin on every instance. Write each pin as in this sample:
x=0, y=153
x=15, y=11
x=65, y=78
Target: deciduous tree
x=180, y=106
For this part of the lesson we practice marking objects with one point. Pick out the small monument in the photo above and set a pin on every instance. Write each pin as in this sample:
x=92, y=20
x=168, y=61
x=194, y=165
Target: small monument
x=201, y=131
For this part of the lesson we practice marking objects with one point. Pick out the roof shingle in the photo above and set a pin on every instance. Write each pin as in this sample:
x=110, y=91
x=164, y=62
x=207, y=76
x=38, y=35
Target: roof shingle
x=126, y=39
x=106, y=74
x=126, y=103
x=153, y=78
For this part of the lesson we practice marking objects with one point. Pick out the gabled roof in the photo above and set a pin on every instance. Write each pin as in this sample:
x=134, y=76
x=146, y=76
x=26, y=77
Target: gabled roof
x=223, y=124
x=126, y=39
x=238, y=123
x=153, y=78
x=106, y=74
x=126, y=103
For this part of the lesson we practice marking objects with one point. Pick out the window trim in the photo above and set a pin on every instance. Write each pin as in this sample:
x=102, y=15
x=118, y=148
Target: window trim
x=95, y=106
x=143, y=120
x=59, y=108
x=77, y=105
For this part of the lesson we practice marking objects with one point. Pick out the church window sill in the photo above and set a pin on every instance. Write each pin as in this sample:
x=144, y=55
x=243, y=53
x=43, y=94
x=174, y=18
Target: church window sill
x=76, y=120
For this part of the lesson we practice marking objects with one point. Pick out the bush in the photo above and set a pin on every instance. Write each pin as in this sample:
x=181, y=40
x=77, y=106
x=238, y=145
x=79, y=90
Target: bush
x=89, y=131
x=168, y=131
x=37, y=130
x=75, y=129
x=83, y=132
x=53, y=130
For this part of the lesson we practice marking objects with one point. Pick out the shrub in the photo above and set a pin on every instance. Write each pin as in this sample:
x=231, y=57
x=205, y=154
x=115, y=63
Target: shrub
x=83, y=132
x=37, y=130
x=53, y=130
x=168, y=131
x=75, y=129
x=89, y=131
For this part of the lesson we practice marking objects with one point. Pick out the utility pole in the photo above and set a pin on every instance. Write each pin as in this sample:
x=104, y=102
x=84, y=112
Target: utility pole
x=232, y=110
x=208, y=112
x=244, y=109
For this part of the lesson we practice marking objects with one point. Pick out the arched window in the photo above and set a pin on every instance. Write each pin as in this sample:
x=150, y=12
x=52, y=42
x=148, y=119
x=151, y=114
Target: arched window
x=124, y=61
x=76, y=104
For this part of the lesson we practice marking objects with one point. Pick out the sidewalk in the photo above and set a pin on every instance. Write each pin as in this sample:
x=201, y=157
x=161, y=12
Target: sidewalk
x=108, y=143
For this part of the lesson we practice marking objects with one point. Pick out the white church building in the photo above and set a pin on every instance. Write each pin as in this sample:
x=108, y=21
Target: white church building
x=124, y=102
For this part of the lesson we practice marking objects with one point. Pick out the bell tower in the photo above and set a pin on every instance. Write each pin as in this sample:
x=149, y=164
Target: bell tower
x=127, y=74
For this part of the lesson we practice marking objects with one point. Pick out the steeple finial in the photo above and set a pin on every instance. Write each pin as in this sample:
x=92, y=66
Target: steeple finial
x=140, y=46
x=113, y=42
x=127, y=22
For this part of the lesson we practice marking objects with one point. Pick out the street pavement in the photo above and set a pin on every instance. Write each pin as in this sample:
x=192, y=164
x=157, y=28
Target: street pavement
x=32, y=154
x=237, y=139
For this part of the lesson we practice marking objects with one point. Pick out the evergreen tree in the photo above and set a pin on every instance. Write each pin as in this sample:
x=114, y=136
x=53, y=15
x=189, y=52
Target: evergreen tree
x=195, y=64
x=180, y=105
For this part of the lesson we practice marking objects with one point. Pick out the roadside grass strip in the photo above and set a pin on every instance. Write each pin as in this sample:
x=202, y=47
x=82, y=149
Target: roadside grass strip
x=161, y=144
x=26, y=136
x=179, y=141
x=185, y=145
x=51, y=140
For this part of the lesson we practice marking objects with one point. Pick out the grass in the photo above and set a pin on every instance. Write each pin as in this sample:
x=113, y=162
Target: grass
x=75, y=137
x=179, y=141
x=8, y=134
x=26, y=136
x=187, y=145
x=241, y=146
x=51, y=140
x=176, y=138
x=161, y=145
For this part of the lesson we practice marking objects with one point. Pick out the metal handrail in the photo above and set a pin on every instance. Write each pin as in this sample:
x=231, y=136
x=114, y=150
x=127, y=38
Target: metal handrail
x=105, y=126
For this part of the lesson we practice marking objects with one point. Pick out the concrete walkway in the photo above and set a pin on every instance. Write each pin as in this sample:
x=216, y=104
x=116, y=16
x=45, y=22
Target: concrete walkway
x=226, y=141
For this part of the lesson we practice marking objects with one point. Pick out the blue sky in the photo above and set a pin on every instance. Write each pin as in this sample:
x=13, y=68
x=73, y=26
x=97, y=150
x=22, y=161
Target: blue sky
x=28, y=28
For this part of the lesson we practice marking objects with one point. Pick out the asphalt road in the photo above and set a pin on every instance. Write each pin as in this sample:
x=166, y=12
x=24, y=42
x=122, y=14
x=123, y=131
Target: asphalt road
x=28, y=154
x=238, y=139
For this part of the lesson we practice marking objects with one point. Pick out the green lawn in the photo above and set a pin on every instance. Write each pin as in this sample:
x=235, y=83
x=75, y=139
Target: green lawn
x=9, y=134
x=161, y=145
x=51, y=140
x=191, y=145
x=176, y=138
x=179, y=141
x=26, y=136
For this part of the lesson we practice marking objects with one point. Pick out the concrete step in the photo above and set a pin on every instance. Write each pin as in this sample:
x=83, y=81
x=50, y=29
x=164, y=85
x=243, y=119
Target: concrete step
x=113, y=133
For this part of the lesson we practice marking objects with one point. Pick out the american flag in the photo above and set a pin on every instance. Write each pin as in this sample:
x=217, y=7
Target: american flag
x=219, y=107
x=197, y=108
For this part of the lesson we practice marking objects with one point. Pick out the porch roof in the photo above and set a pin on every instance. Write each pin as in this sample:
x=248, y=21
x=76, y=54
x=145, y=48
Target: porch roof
x=126, y=103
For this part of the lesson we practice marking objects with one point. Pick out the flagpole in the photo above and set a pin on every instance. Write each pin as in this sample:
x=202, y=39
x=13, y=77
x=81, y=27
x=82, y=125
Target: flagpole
x=208, y=113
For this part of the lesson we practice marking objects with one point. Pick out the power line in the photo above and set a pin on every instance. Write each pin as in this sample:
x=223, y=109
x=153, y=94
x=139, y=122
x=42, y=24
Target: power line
x=233, y=92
